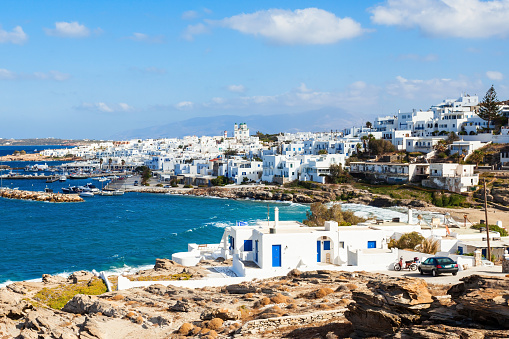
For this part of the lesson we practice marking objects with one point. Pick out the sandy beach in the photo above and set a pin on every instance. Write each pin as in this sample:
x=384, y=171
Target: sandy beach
x=475, y=215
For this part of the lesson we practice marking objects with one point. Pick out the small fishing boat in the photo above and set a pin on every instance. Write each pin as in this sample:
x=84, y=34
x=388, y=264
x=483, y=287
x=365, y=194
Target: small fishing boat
x=118, y=192
x=105, y=193
x=86, y=194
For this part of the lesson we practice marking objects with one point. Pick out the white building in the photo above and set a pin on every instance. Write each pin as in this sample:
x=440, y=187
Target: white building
x=240, y=132
x=452, y=177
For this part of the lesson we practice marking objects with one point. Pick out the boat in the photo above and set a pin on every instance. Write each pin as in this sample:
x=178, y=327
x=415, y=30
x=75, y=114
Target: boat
x=79, y=176
x=62, y=178
x=52, y=179
x=106, y=193
x=92, y=188
x=86, y=194
x=48, y=190
x=118, y=192
x=72, y=190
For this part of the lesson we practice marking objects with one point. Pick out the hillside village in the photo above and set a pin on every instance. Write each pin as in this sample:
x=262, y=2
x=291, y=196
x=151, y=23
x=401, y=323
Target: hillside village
x=439, y=148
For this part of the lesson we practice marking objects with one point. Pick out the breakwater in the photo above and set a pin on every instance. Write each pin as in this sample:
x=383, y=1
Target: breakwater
x=39, y=196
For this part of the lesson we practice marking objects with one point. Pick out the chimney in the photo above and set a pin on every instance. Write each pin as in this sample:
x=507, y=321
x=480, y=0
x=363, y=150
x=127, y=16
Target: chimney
x=409, y=215
x=276, y=217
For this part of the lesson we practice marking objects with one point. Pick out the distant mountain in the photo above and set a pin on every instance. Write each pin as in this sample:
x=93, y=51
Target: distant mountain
x=312, y=121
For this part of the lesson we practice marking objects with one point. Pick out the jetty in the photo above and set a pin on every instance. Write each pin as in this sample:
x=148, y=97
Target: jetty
x=39, y=196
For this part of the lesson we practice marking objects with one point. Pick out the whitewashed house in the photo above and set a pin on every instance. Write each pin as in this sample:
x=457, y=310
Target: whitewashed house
x=393, y=173
x=452, y=177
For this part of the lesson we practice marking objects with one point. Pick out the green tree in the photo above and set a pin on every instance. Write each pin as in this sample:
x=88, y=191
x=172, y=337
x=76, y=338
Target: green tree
x=230, y=152
x=476, y=157
x=488, y=107
x=369, y=124
x=380, y=146
x=319, y=214
x=407, y=241
x=322, y=151
x=337, y=175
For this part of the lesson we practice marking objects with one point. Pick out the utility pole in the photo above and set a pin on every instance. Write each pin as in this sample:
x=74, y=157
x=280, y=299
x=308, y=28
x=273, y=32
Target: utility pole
x=486, y=221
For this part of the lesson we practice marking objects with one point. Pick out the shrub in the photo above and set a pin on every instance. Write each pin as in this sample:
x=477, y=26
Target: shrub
x=215, y=324
x=407, y=241
x=494, y=228
x=59, y=296
x=319, y=213
x=185, y=328
x=430, y=246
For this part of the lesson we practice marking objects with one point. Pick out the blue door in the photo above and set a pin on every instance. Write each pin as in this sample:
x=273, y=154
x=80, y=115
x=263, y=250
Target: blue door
x=371, y=244
x=318, y=251
x=256, y=250
x=276, y=255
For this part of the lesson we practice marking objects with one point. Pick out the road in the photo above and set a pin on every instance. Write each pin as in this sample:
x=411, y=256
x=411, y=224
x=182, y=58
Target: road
x=448, y=279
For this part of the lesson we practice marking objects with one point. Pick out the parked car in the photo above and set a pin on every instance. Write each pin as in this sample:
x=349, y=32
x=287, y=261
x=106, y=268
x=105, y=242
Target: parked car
x=438, y=265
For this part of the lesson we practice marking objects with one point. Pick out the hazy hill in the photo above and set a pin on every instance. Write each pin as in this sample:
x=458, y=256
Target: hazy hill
x=314, y=121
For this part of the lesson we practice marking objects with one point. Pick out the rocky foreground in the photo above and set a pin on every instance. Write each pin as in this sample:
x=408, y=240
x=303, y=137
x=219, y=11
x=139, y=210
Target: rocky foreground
x=318, y=304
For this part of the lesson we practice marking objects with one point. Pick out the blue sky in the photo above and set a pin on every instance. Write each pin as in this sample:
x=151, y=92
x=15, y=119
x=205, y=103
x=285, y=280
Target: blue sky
x=91, y=69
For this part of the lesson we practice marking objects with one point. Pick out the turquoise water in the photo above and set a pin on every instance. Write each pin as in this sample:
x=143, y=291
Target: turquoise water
x=114, y=233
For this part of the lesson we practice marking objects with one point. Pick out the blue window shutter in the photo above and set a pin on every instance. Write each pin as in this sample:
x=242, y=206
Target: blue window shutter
x=248, y=245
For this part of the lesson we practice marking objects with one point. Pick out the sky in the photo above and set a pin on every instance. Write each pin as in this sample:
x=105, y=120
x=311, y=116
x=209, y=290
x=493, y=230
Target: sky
x=92, y=69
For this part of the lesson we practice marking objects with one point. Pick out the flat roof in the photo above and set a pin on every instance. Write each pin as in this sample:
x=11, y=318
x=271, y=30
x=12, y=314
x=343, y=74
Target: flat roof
x=504, y=243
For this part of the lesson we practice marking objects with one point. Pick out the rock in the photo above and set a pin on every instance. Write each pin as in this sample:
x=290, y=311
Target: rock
x=180, y=307
x=85, y=304
x=240, y=289
x=166, y=264
x=384, y=305
x=222, y=313
x=483, y=299
x=12, y=305
x=80, y=276
x=53, y=279
x=295, y=273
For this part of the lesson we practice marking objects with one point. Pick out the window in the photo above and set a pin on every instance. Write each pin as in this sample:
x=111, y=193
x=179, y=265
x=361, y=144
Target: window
x=248, y=245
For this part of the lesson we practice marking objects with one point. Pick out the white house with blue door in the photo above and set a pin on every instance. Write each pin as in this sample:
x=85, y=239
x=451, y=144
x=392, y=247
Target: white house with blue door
x=275, y=247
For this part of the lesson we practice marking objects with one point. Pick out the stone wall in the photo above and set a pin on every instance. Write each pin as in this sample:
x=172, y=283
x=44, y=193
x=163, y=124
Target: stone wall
x=261, y=325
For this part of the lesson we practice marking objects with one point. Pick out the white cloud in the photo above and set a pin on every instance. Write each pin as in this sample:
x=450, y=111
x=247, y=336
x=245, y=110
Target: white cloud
x=16, y=36
x=237, y=88
x=184, y=105
x=141, y=37
x=68, y=30
x=7, y=75
x=51, y=75
x=494, y=75
x=355, y=97
x=308, y=26
x=193, y=30
x=106, y=108
x=435, y=89
x=189, y=15
x=447, y=18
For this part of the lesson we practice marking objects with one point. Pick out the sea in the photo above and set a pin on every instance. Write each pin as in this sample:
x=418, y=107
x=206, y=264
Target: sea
x=124, y=233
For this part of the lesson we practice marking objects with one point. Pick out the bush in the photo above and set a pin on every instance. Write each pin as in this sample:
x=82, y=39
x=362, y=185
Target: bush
x=188, y=186
x=407, y=241
x=319, y=214
x=59, y=296
x=494, y=228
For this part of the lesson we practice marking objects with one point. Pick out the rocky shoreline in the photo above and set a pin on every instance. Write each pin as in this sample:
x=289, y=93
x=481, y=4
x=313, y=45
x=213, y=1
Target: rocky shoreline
x=39, y=196
x=298, y=195
x=315, y=304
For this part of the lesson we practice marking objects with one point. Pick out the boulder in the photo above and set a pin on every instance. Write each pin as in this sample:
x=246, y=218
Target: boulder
x=80, y=276
x=86, y=304
x=221, y=313
x=166, y=264
x=483, y=299
x=53, y=279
